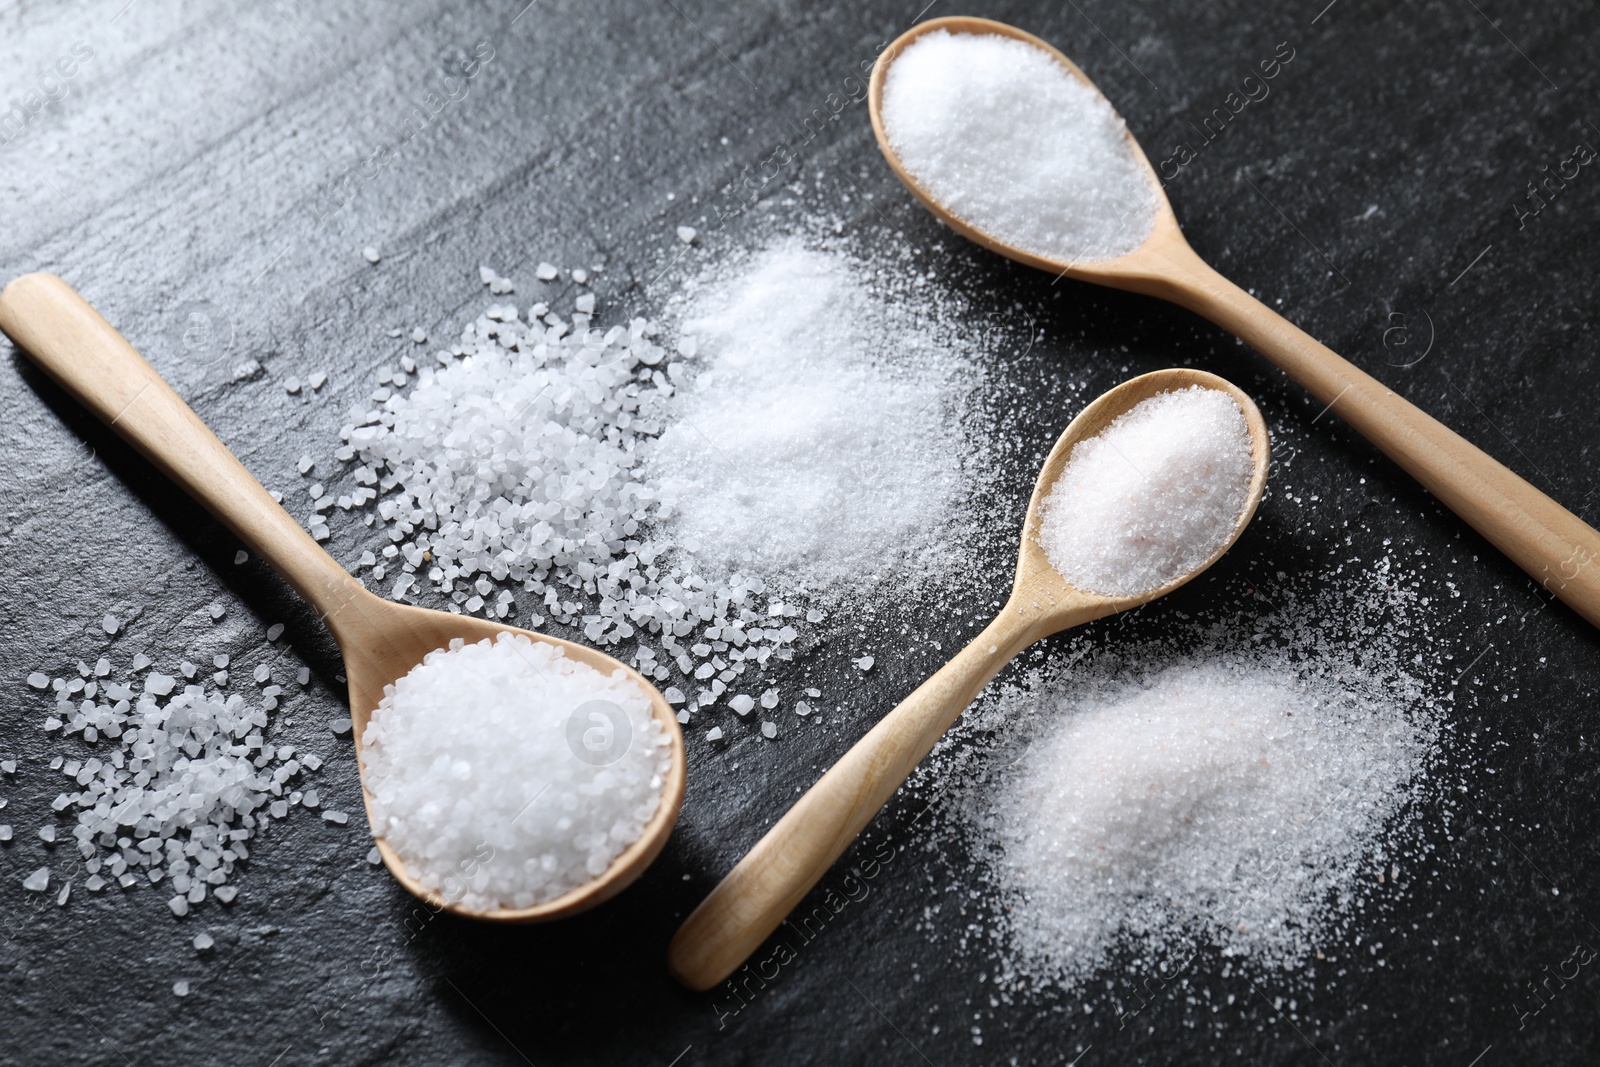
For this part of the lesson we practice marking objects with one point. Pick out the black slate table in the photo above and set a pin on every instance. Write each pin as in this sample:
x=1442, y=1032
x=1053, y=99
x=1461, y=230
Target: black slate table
x=208, y=174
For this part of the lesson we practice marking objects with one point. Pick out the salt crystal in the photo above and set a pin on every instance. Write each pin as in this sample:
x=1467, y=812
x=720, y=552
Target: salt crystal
x=687, y=234
x=546, y=272
x=714, y=734
x=419, y=336
x=61, y=898
x=225, y=893
x=1152, y=496
x=1013, y=144
x=275, y=631
x=202, y=941
x=338, y=817
x=291, y=385
x=374, y=857
x=38, y=680
x=742, y=704
x=370, y=254
x=217, y=610
x=863, y=663
x=316, y=379
x=5, y=831
x=180, y=988
x=38, y=881
x=111, y=624
x=238, y=558
x=769, y=730
x=339, y=726
x=47, y=834
x=179, y=905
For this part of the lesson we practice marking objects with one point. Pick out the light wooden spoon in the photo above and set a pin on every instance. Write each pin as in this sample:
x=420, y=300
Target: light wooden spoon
x=380, y=640
x=1549, y=542
x=766, y=885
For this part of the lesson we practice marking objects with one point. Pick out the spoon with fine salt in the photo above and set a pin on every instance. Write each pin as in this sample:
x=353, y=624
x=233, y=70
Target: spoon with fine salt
x=1130, y=240
x=1156, y=497
x=380, y=640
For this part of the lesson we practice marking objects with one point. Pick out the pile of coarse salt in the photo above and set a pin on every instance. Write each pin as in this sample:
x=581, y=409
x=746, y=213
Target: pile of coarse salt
x=504, y=773
x=1015, y=145
x=818, y=443
x=517, y=461
x=1152, y=496
x=179, y=779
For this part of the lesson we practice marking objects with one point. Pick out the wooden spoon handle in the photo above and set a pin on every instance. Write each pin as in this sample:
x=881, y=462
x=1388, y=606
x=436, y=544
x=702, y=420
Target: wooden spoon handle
x=64, y=335
x=772, y=878
x=1560, y=550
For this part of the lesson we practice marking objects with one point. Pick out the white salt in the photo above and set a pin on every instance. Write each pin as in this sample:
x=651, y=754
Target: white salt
x=1152, y=496
x=1225, y=797
x=505, y=774
x=1015, y=145
x=111, y=624
x=203, y=941
x=370, y=254
x=819, y=440
x=38, y=881
x=180, y=988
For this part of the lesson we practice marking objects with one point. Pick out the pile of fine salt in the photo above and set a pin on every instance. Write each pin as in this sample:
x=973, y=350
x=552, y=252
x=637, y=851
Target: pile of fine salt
x=504, y=773
x=1222, y=798
x=1014, y=144
x=1152, y=496
x=819, y=441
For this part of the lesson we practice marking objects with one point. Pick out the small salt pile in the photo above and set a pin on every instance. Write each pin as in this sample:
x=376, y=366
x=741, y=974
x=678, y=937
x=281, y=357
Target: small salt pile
x=171, y=783
x=1014, y=144
x=505, y=774
x=1232, y=798
x=1152, y=496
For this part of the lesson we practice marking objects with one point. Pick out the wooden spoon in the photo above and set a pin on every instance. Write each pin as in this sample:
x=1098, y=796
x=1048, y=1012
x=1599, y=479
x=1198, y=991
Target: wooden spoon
x=380, y=640
x=1539, y=535
x=772, y=878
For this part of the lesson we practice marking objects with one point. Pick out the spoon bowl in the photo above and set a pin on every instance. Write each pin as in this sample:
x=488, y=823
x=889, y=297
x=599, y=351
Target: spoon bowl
x=1553, y=545
x=380, y=640
x=756, y=896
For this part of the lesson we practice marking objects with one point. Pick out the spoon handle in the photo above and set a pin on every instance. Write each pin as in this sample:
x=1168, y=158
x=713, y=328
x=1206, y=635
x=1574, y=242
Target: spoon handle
x=67, y=338
x=756, y=896
x=1558, y=549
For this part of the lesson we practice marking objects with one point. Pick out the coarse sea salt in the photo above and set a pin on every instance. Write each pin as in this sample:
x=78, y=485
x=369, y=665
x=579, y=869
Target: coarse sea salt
x=1015, y=145
x=1152, y=496
x=504, y=773
x=171, y=784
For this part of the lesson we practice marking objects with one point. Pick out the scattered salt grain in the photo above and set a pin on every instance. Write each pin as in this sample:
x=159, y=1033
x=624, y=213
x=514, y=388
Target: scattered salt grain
x=316, y=379
x=1152, y=496
x=864, y=663
x=217, y=610
x=238, y=558
x=374, y=857
x=180, y=988
x=337, y=817
x=687, y=234
x=714, y=734
x=769, y=730
x=225, y=893
x=1016, y=146
x=38, y=881
x=419, y=336
x=275, y=631
x=291, y=385
x=61, y=897
x=370, y=254
x=546, y=272
x=5, y=831
x=557, y=769
x=340, y=727
x=202, y=941
x=111, y=624
x=39, y=680
x=47, y=834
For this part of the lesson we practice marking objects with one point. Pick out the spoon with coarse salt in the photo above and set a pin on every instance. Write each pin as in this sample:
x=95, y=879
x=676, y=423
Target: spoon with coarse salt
x=1011, y=145
x=1148, y=486
x=381, y=641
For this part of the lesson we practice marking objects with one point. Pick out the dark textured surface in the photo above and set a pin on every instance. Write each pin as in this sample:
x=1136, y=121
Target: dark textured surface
x=191, y=164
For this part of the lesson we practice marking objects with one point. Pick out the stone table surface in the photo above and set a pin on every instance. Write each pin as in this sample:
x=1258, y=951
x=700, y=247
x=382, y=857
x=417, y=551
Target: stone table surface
x=208, y=175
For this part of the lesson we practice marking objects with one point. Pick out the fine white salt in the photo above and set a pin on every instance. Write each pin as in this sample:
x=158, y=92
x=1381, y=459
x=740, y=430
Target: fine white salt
x=1152, y=496
x=1015, y=145
x=504, y=773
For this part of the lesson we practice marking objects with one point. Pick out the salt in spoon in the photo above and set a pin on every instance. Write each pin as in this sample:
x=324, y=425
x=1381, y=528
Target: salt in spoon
x=379, y=639
x=1538, y=534
x=757, y=894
